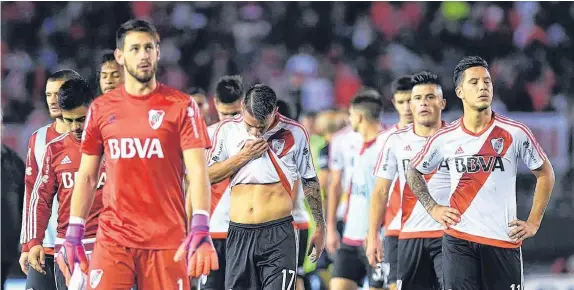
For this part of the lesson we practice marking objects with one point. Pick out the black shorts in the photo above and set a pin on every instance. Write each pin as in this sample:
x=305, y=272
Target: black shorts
x=351, y=263
x=261, y=256
x=38, y=281
x=303, y=238
x=420, y=264
x=469, y=265
x=391, y=257
x=216, y=279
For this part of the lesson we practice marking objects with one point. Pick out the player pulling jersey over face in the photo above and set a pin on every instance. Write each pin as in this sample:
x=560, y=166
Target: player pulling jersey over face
x=263, y=153
x=482, y=150
x=351, y=265
x=144, y=128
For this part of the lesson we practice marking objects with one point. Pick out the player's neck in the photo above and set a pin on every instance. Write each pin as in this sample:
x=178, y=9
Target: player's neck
x=137, y=88
x=61, y=127
x=403, y=123
x=476, y=121
x=425, y=130
x=327, y=137
x=370, y=131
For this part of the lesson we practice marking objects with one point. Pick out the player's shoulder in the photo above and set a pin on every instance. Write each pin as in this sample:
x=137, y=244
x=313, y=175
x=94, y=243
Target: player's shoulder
x=342, y=133
x=448, y=130
x=174, y=95
x=514, y=127
x=57, y=143
x=296, y=128
x=40, y=131
x=228, y=124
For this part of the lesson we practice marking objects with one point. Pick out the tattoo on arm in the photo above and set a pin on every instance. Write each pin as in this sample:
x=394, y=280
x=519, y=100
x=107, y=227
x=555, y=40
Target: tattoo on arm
x=312, y=191
x=419, y=187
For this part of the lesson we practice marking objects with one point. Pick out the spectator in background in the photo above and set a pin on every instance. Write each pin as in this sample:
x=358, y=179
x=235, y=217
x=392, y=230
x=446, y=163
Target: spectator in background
x=110, y=75
x=12, y=200
x=200, y=97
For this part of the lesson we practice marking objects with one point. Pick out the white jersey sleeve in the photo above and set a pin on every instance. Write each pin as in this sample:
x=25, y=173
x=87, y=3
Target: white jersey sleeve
x=528, y=148
x=387, y=165
x=218, y=152
x=431, y=156
x=304, y=161
x=336, y=156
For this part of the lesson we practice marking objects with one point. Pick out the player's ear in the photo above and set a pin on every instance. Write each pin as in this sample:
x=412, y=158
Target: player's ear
x=443, y=104
x=157, y=51
x=119, y=55
x=458, y=91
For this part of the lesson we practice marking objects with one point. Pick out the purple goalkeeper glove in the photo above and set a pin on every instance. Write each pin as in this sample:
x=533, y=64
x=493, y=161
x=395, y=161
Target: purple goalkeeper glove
x=201, y=255
x=72, y=250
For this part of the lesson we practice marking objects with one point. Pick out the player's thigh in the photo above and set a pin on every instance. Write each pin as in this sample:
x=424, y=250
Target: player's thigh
x=302, y=250
x=156, y=269
x=501, y=268
x=433, y=248
x=216, y=279
x=460, y=264
x=415, y=270
x=38, y=281
x=276, y=257
x=111, y=267
x=348, y=265
x=240, y=269
x=391, y=257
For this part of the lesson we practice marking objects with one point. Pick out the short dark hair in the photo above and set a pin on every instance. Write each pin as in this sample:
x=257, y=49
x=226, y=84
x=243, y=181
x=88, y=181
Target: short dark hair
x=260, y=101
x=284, y=109
x=369, y=101
x=404, y=83
x=425, y=78
x=134, y=25
x=196, y=91
x=229, y=89
x=107, y=56
x=64, y=75
x=75, y=93
x=464, y=64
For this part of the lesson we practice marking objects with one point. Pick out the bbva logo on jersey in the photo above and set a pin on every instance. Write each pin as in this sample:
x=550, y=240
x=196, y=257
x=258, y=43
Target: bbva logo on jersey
x=155, y=118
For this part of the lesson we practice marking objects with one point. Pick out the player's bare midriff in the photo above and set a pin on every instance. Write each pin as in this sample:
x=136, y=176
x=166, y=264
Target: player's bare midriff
x=259, y=203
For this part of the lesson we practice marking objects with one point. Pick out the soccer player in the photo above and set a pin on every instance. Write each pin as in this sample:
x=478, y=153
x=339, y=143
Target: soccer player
x=228, y=96
x=36, y=144
x=200, y=97
x=481, y=245
x=401, y=88
x=60, y=162
x=351, y=265
x=263, y=153
x=144, y=128
x=420, y=237
x=110, y=75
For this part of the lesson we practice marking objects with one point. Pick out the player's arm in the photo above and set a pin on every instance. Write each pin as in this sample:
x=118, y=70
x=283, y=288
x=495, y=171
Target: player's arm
x=385, y=170
x=534, y=157
x=198, y=190
x=425, y=162
x=312, y=191
x=43, y=193
x=29, y=181
x=85, y=186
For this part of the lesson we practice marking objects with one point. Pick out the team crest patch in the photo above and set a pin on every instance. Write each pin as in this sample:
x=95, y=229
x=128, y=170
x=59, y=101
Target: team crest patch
x=96, y=277
x=155, y=118
x=277, y=146
x=497, y=145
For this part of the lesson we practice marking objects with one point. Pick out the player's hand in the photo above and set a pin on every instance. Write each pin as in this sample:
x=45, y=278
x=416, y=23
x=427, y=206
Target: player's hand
x=72, y=252
x=446, y=216
x=36, y=258
x=23, y=261
x=333, y=241
x=317, y=243
x=201, y=255
x=374, y=250
x=255, y=148
x=522, y=230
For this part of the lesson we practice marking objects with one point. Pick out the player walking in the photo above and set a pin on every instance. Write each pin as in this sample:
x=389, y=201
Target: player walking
x=264, y=153
x=144, y=128
x=350, y=264
x=420, y=237
x=481, y=246
x=60, y=162
x=36, y=145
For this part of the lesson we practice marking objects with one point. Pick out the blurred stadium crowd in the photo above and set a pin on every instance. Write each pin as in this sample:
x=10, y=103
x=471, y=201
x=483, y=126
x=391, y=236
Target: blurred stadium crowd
x=316, y=55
